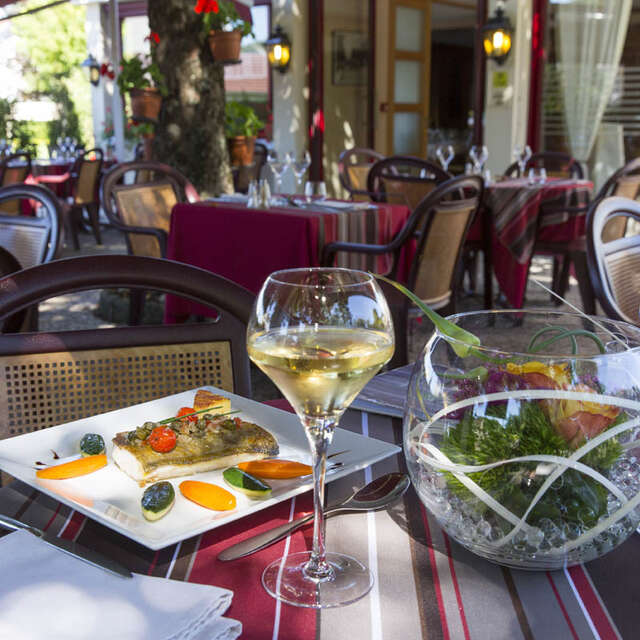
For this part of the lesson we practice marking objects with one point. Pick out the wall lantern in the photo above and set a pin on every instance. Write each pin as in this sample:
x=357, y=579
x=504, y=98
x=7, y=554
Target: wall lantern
x=497, y=35
x=93, y=70
x=279, y=50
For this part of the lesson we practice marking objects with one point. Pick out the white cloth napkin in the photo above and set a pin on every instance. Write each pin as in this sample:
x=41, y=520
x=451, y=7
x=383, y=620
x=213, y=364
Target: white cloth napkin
x=45, y=593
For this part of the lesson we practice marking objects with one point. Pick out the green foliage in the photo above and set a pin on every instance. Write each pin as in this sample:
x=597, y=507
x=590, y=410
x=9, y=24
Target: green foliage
x=6, y=111
x=241, y=120
x=478, y=440
x=51, y=52
x=226, y=19
x=141, y=72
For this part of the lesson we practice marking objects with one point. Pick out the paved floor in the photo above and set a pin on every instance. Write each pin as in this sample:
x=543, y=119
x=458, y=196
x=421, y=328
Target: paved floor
x=78, y=311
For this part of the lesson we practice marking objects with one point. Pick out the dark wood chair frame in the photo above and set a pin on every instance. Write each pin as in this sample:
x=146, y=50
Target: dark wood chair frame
x=346, y=158
x=30, y=286
x=598, y=251
x=418, y=226
x=389, y=167
x=112, y=180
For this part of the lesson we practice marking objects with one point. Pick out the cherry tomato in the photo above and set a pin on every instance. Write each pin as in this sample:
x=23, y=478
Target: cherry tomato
x=162, y=439
x=185, y=411
x=238, y=421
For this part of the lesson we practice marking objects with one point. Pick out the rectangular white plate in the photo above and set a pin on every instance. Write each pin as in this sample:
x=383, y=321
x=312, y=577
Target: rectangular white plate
x=113, y=498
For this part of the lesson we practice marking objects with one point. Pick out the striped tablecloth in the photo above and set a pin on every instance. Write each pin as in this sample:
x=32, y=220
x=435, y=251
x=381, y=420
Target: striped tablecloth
x=522, y=213
x=426, y=585
x=246, y=245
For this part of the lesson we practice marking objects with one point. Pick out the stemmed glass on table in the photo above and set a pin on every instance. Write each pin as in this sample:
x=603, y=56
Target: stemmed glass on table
x=445, y=156
x=300, y=165
x=478, y=154
x=320, y=335
x=278, y=167
x=522, y=156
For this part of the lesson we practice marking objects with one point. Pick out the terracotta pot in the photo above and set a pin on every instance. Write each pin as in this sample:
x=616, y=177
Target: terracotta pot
x=145, y=103
x=241, y=150
x=225, y=45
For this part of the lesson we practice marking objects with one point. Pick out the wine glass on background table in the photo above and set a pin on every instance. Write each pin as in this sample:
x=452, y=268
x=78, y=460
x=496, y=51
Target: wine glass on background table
x=278, y=167
x=299, y=165
x=445, y=156
x=320, y=335
x=522, y=154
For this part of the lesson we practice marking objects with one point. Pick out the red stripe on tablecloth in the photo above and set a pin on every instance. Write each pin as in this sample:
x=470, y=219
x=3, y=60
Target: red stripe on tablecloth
x=153, y=563
x=436, y=579
x=592, y=603
x=562, y=607
x=456, y=587
x=251, y=604
x=73, y=526
x=53, y=517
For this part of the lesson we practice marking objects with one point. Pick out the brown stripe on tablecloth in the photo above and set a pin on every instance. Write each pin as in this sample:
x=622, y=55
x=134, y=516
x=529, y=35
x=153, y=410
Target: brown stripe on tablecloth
x=186, y=556
x=26, y=504
x=132, y=555
x=517, y=604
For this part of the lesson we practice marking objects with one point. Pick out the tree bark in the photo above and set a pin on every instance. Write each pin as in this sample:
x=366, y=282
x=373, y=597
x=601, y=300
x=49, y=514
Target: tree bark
x=190, y=134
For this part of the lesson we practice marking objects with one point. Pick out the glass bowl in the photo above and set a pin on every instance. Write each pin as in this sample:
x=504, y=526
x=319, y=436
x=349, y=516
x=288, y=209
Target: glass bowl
x=525, y=447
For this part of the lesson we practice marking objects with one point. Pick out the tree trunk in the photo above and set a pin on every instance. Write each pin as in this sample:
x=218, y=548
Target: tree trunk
x=190, y=135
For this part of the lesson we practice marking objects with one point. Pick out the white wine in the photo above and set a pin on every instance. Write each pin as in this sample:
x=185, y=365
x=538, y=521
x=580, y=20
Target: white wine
x=320, y=370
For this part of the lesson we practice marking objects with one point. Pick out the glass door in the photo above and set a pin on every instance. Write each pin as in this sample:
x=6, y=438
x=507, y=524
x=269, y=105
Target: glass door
x=409, y=77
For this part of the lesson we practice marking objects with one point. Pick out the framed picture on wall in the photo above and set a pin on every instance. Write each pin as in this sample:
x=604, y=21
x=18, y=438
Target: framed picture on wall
x=349, y=57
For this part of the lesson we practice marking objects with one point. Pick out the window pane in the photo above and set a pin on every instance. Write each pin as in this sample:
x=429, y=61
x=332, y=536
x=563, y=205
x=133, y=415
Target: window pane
x=407, y=81
x=406, y=134
x=409, y=29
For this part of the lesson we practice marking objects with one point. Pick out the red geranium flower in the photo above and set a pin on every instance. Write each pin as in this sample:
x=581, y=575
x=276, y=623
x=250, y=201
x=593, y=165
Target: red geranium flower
x=206, y=6
x=153, y=37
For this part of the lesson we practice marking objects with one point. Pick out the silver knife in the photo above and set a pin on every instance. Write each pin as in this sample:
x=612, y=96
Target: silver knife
x=72, y=548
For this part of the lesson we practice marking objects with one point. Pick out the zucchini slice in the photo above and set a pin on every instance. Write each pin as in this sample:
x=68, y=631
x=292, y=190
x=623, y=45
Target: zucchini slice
x=157, y=500
x=92, y=444
x=246, y=483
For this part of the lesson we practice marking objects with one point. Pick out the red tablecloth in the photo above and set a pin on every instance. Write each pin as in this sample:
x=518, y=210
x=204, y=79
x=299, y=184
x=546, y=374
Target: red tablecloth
x=246, y=245
x=517, y=209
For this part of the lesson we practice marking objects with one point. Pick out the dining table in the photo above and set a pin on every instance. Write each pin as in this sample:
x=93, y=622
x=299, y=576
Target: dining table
x=247, y=244
x=425, y=584
x=518, y=212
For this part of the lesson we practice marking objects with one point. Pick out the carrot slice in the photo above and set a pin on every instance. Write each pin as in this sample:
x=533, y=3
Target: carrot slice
x=208, y=495
x=79, y=467
x=276, y=469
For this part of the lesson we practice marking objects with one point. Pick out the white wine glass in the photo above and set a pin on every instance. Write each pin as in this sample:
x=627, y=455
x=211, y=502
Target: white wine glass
x=278, y=167
x=445, y=156
x=320, y=335
x=300, y=165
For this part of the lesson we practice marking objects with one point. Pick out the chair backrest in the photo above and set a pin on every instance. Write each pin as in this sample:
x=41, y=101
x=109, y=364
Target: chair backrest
x=9, y=264
x=31, y=239
x=142, y=209
x=86, y=174
x=14, y=169
x=404, y=180
x=556, y=164
x=52, y=378
x=614, y=265
x=444, y=218
x=353, y=170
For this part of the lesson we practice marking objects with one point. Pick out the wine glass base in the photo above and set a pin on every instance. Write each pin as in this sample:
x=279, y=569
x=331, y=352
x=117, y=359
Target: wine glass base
x=285, y=580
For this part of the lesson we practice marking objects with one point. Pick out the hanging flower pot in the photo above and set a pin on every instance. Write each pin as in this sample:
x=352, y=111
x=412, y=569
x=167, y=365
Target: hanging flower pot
x=225, y=46
x=145, y=103
x=241, y=150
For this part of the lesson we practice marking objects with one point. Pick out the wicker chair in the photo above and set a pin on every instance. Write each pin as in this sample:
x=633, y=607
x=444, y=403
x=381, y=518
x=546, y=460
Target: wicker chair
x=353, y=169
x=8, y=265
x=85, y=182
x=51, y=378
x=14, y=169
x=138, y=198
x=441, y=221
x=614, y=264
x=404, y=180
x=556, y=164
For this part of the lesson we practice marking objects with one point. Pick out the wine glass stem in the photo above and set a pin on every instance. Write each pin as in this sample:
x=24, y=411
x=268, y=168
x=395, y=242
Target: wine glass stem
x=319, y=433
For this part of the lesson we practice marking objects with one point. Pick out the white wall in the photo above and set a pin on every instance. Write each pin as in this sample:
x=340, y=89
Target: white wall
x=291, y=89
x=505, y=123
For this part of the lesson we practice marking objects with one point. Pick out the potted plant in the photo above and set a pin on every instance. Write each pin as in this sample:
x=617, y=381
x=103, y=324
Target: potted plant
x=141, y=78
x=241, y=125
x=224, y=29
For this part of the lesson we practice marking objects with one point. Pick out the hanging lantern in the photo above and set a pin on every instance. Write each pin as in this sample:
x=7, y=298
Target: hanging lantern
x=279, y=50
x=93, y=70
x=497, y=35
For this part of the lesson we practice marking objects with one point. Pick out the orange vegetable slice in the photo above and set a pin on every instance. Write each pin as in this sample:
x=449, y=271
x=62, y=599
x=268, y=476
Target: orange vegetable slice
x=276, y=469
x=208, y=495
x=79, y=467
